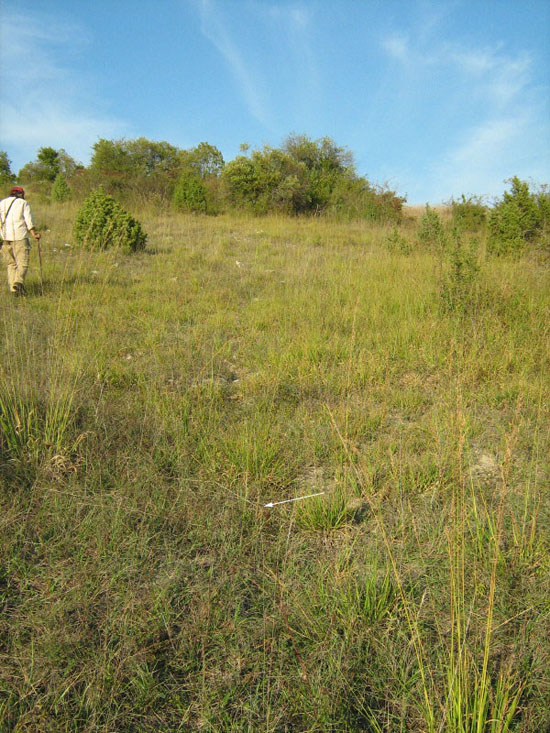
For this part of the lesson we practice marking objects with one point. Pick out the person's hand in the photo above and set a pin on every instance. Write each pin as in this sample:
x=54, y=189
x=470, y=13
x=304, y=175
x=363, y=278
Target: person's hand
x=36, y=235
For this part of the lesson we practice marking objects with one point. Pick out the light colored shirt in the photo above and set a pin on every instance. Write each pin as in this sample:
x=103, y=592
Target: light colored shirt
x=18, y=222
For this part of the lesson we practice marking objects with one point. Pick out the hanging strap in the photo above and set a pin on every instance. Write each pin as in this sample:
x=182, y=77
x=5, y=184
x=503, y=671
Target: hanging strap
x=8, y=211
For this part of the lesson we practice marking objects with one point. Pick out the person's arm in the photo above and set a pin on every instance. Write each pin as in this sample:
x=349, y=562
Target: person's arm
x=27, y=213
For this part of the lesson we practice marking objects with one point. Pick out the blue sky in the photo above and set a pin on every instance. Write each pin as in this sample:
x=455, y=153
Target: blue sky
x=434, y=98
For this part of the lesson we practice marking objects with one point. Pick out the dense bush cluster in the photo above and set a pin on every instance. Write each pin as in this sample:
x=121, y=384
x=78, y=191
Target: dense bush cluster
x=303, y=176
x=102, y=223
x=306, y=177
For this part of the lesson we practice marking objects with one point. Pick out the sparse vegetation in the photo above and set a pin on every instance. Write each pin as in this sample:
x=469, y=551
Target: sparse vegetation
x=460, y=288
x=396, y=242
x=150, y=406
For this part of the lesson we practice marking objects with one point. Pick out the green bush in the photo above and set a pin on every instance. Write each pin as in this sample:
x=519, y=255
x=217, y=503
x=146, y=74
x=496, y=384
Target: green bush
x=102, y=223
x=190, y=194
x=469, y=214
x=355, y=198
x=543, y=202
x=431, y=232
x=516, y=220
x=61, y=190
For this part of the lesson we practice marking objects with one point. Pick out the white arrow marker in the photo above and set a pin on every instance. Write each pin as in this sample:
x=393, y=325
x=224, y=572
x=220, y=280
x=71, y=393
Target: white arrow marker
x=298, y=498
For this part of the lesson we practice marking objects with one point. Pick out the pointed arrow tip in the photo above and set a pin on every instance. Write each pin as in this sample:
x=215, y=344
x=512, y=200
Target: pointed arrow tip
x=269, y=505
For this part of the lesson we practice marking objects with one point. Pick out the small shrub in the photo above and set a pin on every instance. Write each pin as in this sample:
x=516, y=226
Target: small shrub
x=102, y=223
x=460, y=286
x=396, y=242
x=61, y=190
x=516, y=220
x=432, y=232
x=469, y=213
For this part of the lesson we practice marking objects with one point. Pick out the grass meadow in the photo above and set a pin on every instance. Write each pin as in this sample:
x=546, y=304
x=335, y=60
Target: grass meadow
x=152, y=404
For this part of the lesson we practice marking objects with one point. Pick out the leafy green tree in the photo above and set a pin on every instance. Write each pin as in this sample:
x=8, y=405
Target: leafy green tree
x=281, y=183
x=136, y=158
x=205, y=159
x=48, y=164
x=322, y=154
x=149, y=157
x=61, y=190
x=325, y=163
x=68, y=166
x=270, y=180
x=197, y=187
x=110, y=156
x=48, y=160
x=240, y=178
x=6, y=175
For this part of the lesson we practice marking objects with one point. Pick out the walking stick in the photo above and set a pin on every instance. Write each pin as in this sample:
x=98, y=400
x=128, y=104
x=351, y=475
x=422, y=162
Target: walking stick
x=40, y=263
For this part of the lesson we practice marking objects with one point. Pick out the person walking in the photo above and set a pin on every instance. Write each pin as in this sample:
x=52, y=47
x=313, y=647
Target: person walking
x=16, y=225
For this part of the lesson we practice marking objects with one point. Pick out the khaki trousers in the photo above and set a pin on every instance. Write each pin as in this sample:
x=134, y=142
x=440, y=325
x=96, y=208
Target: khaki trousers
x=16, y=256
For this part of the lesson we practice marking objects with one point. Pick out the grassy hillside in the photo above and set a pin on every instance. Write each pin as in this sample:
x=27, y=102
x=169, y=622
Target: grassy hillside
x=150, y=405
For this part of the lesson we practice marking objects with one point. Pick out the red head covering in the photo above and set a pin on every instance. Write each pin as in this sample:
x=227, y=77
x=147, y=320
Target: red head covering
x=17, y=191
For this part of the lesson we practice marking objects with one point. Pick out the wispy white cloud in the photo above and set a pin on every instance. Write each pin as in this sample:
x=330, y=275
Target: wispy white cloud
x=248, y=80
x=297, y=17
x=397, y=47
x=277, y=43
x=42, y=102
x=294, y=26
x=497, y=114
x=491, y=72
x=476, y=164
x=508, y=136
